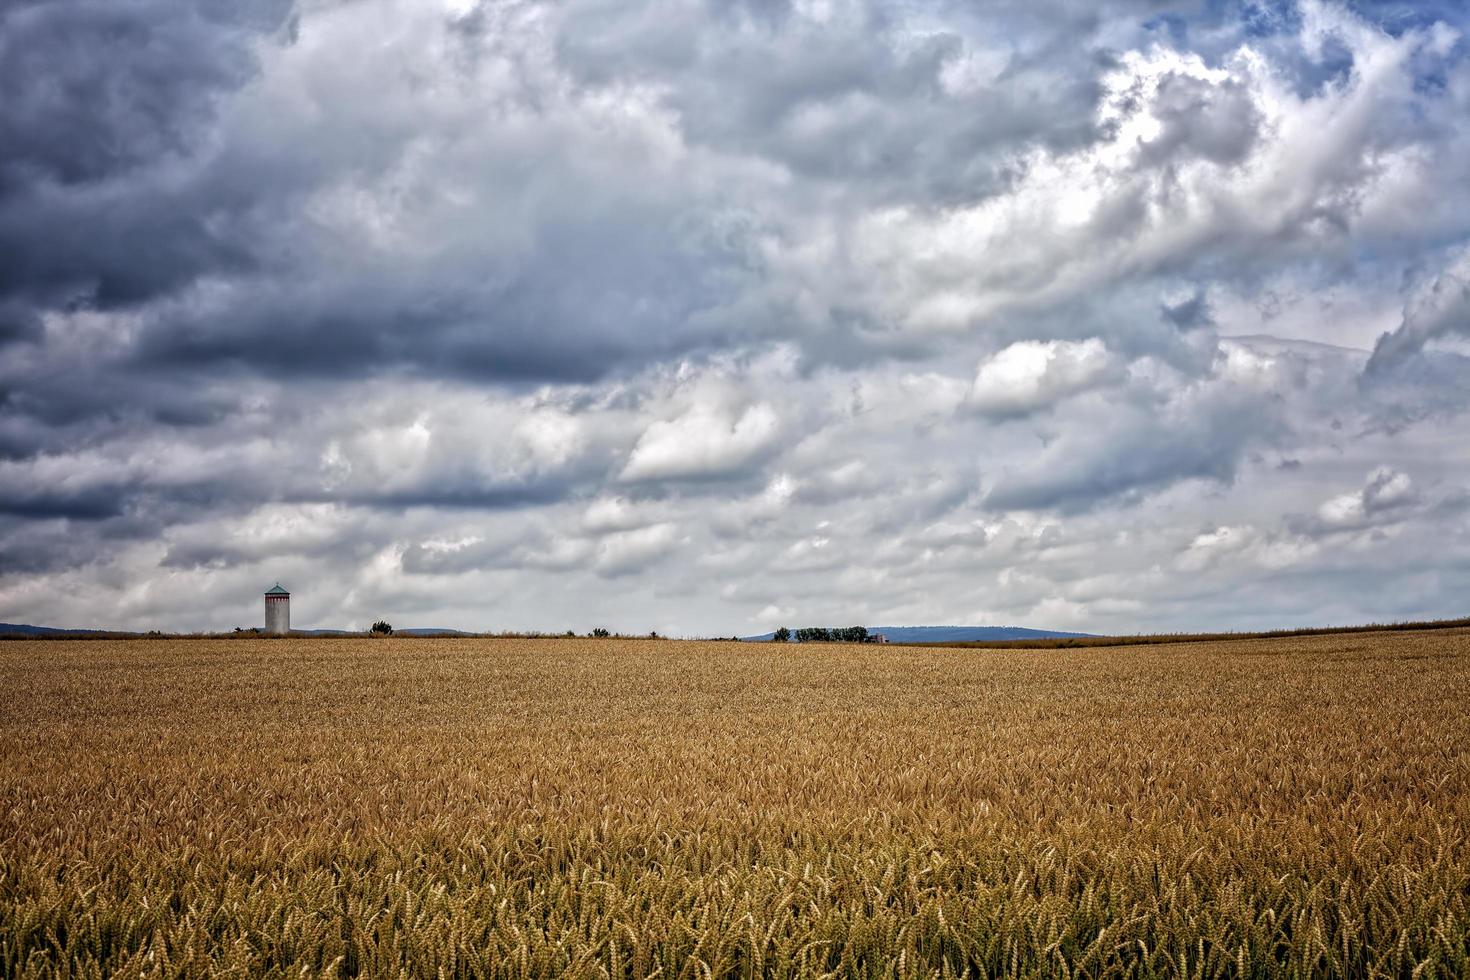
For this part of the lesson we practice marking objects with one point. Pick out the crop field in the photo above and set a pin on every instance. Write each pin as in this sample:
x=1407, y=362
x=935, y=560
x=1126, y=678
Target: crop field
x=481, y=807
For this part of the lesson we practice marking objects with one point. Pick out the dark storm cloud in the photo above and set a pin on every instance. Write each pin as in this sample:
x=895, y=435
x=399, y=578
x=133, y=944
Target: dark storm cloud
x=101, y=100
x=91, y=503
x=112, y=246
x=18, y=322
x=97, y=90
x=29, y=546
x=620, y=300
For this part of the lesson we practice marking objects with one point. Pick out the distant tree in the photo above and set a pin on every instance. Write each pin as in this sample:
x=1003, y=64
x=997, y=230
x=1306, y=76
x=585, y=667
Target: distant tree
x=653, y=634
x=599, y=631
x=782, y=635
x=382, y=628
x=822, y=634
x=571, y=632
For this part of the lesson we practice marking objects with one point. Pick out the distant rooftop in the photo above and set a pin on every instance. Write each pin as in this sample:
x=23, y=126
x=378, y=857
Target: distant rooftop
x=277, y=590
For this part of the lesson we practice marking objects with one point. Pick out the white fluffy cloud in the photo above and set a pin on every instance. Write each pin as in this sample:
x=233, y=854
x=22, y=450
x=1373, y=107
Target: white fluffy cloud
x=1385, y=494
x=705, y=441
x=1030, y=375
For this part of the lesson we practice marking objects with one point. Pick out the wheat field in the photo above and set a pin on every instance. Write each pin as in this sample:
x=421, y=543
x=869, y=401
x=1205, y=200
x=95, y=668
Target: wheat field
x=480, y=807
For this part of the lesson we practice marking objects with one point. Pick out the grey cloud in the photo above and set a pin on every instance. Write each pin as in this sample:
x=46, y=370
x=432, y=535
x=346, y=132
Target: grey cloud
x=35, y=547
x=420, y=559
x=1218, y=123
x=1132, y=452
x=1399, y=395
x=18, y=322
x=473, y=495
x=1388, y=497
x=848, y=100
x=89, y=504
x=200, y=554
x=105, y=103
x=96, y=90
x=1442, y=309
x=1186, y=314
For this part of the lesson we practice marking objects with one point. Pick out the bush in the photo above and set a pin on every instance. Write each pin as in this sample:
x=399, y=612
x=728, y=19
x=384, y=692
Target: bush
x=599, y=631
x=382, y=628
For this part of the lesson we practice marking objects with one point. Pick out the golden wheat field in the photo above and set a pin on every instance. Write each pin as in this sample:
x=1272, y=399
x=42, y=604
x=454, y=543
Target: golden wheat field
x=480, y=807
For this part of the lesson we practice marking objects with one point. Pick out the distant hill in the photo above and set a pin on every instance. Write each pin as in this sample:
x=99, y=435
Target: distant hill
x=951, y=634
x=26, y=630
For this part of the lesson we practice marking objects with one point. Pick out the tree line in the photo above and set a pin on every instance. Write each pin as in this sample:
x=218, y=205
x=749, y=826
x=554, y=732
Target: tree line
x=822, y=634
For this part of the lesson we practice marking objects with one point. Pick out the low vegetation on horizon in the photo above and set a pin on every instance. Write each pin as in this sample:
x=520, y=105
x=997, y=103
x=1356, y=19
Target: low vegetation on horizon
x=478, y=807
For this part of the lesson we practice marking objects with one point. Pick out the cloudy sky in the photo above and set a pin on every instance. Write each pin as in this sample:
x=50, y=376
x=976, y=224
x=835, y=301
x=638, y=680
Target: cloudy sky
x=1107, y=315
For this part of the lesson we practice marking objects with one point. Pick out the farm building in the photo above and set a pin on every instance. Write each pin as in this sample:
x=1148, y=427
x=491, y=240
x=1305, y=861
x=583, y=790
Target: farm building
x=278, y=611
x=876, y=638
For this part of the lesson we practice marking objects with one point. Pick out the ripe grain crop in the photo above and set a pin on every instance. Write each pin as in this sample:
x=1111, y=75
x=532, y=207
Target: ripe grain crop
x=477, y=807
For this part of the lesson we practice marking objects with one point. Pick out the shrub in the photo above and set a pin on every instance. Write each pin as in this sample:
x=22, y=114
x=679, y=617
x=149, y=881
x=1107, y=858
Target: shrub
x=382, y=628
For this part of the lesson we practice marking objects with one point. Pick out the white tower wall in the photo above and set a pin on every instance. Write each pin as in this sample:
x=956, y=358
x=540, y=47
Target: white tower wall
x=278, y=614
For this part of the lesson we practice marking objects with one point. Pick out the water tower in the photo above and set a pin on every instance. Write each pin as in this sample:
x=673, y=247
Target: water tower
x=278, y=611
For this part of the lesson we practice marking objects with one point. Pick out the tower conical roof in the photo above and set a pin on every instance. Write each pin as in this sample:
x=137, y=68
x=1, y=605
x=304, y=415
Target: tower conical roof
x=277, y=590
